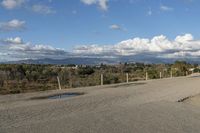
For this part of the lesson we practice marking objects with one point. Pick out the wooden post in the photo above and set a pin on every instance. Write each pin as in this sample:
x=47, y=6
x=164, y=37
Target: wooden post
x=160, y=75
x=101, y=79
x=146, y=76
x=171, y=74
x=70, y=79
x=59, y=83
x=127, y=78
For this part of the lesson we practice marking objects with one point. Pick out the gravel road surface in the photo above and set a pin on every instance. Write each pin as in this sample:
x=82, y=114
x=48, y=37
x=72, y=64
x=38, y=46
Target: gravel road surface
x=140, y=107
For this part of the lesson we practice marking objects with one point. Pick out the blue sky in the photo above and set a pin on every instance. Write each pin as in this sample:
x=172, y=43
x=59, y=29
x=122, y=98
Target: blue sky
x=95, y=24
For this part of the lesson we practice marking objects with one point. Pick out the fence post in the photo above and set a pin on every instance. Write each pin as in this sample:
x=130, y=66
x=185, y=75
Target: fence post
x=59, y=83
x=127, y=78
x=101, y=79
x=70, y=79
x=171, y=75
x=160, y=75
x=146, y=76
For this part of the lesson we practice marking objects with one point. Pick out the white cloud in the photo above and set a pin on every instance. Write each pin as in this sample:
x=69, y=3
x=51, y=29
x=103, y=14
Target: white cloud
x=12, y=25
x=17, y=49
x=160, y=46
x=185, y=38
x=103, y=4
x=43, y=9
x=183, y=46
x=182, y=54
x=89, y=2
x=18, y=44
x=166, y=8
x=16, y=40
x=115, y=27
x=38, y=8
x=92, y=49
x=12, y=4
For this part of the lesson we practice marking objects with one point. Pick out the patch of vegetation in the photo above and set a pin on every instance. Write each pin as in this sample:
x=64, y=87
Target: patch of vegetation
x=20, y=78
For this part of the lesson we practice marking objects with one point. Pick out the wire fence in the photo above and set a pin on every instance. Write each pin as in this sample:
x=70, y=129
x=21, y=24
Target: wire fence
x=113, y=78
x=72, y=79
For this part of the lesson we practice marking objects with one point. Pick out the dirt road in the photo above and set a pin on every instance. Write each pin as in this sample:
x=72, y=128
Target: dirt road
x=140, y=107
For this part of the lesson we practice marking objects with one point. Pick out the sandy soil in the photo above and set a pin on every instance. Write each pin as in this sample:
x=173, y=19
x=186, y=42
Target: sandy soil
x=193, y=100
x=140, y=107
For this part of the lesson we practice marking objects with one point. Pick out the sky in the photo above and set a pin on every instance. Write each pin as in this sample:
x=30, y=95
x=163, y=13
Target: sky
x=34, y=29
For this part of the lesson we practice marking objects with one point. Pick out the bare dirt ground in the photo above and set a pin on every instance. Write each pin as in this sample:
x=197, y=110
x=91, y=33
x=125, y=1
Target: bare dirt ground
x=140, y=107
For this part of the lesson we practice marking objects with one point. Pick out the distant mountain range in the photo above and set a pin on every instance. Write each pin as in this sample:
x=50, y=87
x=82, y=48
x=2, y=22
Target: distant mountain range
x=78, y=61
x=96, y=61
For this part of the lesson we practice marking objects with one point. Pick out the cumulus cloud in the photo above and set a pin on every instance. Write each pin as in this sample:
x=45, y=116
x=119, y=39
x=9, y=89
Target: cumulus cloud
x=185, y=38
x=17, y=49
x=12, y=4
x=166, y=8
x=16, y=40
x=12, y=25
x=159, y=46
x=103, y=4
x=43, y=9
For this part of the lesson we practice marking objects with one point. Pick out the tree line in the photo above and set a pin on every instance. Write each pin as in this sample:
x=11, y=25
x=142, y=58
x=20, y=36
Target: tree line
x=19, y=78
